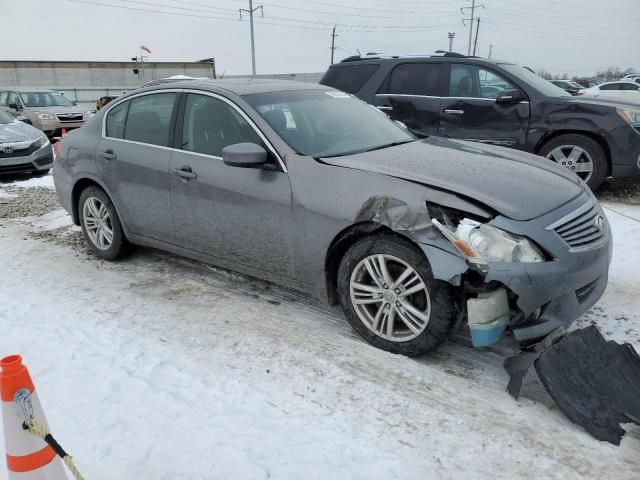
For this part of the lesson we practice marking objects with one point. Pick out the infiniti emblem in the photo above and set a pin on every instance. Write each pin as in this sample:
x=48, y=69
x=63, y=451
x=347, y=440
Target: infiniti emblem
x=599, y=222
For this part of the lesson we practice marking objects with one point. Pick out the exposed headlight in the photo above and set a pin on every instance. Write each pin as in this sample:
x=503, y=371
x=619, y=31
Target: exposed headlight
x=481, y=243
x=41, y=142
x=45, y=116
x=631, y=116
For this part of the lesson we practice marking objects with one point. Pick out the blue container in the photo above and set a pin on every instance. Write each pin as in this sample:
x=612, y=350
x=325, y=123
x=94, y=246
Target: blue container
x=485, y=334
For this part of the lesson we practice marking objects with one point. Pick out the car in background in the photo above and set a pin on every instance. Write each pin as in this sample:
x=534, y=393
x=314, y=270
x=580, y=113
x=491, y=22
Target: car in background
x=46, y=110
x=568, y=86
x=586, y=82
x=313, y=189
x=500, y=103
x=23, y=148
x=624, y=90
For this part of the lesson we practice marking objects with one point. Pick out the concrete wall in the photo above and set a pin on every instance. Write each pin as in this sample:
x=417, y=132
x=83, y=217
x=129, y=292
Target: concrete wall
x=85, y=82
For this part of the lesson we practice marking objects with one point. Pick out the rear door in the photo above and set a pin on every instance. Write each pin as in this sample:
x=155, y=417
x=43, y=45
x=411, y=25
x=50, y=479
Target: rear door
x=412, y=93
x=470, y=110
x=242, y=215
x=133, y=159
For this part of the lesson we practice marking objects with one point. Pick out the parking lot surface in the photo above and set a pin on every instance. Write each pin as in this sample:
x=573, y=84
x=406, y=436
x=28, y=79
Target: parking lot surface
x=157, y=367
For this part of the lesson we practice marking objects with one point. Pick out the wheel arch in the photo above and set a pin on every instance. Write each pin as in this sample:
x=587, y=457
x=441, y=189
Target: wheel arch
x=599, y=139
x=77, y=190
x=342, y=242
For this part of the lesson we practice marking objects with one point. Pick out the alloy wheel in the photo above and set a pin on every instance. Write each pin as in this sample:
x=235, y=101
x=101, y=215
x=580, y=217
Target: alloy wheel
x=390, y=297
x=573, y=158
x=97, y=223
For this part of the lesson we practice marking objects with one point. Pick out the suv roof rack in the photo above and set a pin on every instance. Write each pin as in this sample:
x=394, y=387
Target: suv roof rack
x=372, y=56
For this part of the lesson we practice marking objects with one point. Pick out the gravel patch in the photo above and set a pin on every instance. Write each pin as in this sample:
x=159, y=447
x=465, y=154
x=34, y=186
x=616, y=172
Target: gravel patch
x=67, y=236
x=26, y=202
x=619, y=192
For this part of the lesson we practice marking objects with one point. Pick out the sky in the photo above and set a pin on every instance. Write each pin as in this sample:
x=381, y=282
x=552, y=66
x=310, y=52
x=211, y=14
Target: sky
x=577, y=37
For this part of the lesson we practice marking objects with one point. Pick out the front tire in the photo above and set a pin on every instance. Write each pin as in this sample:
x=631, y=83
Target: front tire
x=100, y=224
x=579, y=154
x=390, y=298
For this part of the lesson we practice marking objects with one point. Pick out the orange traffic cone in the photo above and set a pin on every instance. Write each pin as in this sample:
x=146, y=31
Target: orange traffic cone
x=28, y=457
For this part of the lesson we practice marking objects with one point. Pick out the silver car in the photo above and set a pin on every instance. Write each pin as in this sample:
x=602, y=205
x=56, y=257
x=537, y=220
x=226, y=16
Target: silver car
x=311, y=188
x=23, y=148
x=46, y=110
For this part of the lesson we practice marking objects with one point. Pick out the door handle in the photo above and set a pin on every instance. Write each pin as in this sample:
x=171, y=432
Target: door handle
x=454, y=111
x=385, y=108
x=185, y=172
x=108, y=155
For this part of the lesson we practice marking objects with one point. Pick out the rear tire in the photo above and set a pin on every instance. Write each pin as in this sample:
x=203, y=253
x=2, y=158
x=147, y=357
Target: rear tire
x=100, y=224
x=585, y=149
x=420, y=321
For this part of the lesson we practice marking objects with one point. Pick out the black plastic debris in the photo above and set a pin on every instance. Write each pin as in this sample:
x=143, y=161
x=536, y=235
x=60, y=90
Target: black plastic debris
x=595, y=382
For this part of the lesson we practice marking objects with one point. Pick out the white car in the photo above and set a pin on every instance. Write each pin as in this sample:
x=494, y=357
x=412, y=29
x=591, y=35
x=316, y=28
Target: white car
x=624, y=89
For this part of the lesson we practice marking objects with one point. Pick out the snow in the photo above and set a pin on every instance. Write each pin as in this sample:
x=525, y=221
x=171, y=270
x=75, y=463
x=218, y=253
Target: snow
x=157, y=367
x=45, y=181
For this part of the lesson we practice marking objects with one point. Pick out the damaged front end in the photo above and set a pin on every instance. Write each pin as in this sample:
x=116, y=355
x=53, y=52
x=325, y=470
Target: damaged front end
x=521, y=276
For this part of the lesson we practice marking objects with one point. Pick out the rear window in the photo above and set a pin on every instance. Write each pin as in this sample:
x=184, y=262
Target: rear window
x=350, y=78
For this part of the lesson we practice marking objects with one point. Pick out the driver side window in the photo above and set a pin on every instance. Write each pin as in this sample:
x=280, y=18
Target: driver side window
x=470, y=81
x=210, y=124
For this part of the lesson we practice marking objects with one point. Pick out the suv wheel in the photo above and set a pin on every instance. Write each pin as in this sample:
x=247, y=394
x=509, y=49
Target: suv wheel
x=100, y=224
x=579, y=154
x=391, y=299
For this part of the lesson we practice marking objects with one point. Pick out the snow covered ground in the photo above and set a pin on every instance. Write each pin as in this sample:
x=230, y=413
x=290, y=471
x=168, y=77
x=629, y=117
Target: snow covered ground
x=157, y=367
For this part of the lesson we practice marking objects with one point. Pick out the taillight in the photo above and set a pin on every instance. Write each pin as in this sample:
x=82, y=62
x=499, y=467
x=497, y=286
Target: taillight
x=580, y=92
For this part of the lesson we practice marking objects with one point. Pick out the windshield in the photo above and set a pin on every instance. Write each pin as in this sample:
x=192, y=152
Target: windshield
x=320, y=123
x=45, y=99
x=543, y=86
x=5, y=118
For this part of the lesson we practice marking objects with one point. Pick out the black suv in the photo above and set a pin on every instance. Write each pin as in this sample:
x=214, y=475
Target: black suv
x=497, y=102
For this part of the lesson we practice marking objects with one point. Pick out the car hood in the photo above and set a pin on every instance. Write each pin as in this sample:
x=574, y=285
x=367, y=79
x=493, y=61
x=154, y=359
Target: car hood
x=517, y=185
x=18, y=132
x=605, y=101
x=71, y=109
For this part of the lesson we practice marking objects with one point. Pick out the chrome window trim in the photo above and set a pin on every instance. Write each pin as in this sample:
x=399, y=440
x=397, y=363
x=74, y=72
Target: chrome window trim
x=196, y=92
x=433, y=96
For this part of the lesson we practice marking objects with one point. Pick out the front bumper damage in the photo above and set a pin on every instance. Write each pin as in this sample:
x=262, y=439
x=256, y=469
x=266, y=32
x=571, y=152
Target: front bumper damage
x=542, y=296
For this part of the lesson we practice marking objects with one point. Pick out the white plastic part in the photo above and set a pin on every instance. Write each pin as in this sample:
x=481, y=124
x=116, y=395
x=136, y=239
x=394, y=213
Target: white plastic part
x=488, y=307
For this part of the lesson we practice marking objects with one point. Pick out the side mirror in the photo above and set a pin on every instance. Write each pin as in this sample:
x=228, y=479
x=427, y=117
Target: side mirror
x=13, y=106
x=244, y=155
x=75, y=103
x=513, y=95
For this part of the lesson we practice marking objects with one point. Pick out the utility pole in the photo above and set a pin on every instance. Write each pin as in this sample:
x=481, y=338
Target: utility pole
x=473, y=11
x=251, y=11
x=475, y=44
x=333, y=42
x=451, y=35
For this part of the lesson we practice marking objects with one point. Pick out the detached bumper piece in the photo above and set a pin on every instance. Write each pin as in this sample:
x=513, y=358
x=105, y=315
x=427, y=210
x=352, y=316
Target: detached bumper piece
x=595, y=382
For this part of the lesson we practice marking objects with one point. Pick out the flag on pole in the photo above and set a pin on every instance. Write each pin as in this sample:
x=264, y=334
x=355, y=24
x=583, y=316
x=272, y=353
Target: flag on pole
x=145, y=49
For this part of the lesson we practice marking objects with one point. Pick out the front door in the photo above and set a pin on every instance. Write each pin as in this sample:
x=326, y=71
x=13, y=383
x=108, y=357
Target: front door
x=411, y=94
x=133, y=160
x=241, y=215
x=470, y=111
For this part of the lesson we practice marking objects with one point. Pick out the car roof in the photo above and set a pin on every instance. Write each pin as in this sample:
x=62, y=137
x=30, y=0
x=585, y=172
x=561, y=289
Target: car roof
x=450, y=57
x=239, y=86
x=30, y=89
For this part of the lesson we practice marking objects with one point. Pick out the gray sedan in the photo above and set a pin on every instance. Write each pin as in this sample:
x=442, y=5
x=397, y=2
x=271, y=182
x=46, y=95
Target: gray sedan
x=310, y=188
x=23, y=148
